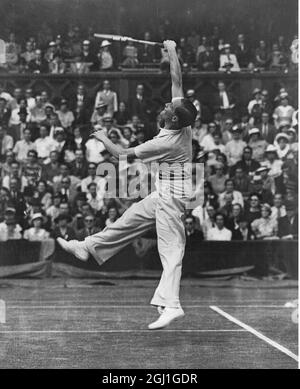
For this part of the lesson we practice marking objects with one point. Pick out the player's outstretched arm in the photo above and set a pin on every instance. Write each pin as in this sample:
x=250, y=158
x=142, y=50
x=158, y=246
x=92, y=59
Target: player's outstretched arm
x=112, y=148
x=175, y=69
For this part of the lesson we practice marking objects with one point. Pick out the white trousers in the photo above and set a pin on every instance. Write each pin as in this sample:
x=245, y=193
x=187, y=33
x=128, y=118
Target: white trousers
x=166, y=215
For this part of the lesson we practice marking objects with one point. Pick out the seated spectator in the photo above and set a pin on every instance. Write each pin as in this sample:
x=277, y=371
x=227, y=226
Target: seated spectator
x=6, y=143
x=65, y=116
x=89, y=228
x=23, y=146
x=288, y=224
x=235, y=147
x=278, y=61
x=128, y=135
x=53, y=211
x=224, y=101
x=208, y=142
x=278, y=209
x=5, y=167
x=146, y=53
x=44, y=145
x=193, y=236
x=218, y=179
x=105, y=58
x=256, y=100
x=92, y=177
x=199, y=130
x=57, y=65
x=109, y=97
x=63, y=230
x=262, y=56
x=243, y=232
x=207, y=60
x=87, y=56
x=113, y=215
x=130, y=54
x=37, y=232
x=272, y=162
x=95, y=196
x=232, y=222
x=5, y=112
x=9, y=229
x=38, y=64
x=190, y=95
x=65, y=172
x=43, y=195
x=79, y=167
x=67, y=191
x=268, y=182
x=257, y=186
x=228, y=58
x=229, y=189
x=265, y=227
x=99, y=113
x=257, y=144
x=281, y=143
x=206, y=219
x=253, y=208
x=94, y=150
x=283, y=114
x=13, y=50
x=227, y=204
x=185, y=52
x=242, y=51
x=15, y=173
x=267, y=130
x=38, y=114
x=29, y=54
x=122, y=116
x=219, y=232
x=241, y=182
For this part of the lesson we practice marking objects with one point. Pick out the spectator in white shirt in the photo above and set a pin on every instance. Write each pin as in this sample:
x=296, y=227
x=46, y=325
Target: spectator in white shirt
x=65, y=116
x=38, y=114
x=228, y=58
x=229, y=188
x=109, y=97
x=95, y=197
x=9, y=229
x=44, y=145
x=92, y=177
x=23, y=146
x=36, y=233
x=219, y=232
x=234, y=148
x=6, y=142
x=94, y=150
x=208, y=143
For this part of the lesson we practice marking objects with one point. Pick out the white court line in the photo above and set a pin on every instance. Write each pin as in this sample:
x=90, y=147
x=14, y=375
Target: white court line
x=106, y=331
x=128, y=306
x=256, y=333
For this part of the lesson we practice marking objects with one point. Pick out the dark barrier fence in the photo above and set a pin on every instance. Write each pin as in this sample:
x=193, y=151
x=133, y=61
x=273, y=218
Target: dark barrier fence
x=207, y=258
x=157, y=84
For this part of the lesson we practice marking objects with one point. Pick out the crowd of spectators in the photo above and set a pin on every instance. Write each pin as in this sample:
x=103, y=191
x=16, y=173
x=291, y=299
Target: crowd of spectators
x=50, y=183
x=80, y=53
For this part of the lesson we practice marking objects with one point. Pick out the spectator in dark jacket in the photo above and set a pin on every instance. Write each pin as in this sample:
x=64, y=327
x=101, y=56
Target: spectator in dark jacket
x=193, y=236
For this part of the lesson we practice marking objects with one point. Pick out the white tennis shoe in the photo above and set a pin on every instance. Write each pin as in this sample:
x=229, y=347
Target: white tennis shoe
x=74, y=247
x=167, y=316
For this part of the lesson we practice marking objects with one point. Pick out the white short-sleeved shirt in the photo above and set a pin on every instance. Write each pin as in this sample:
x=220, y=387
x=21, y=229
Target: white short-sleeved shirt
x=172, y=149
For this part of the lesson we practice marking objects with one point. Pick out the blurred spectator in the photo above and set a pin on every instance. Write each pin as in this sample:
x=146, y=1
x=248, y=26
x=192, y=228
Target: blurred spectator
x=130, y=54
x=278, y=60
x=63, y=230
x=257, y=186
x=122, y=115
x=38, y=64
x=228, y=60
x=65, y=115
x=243, y=232
x=265, y=227
x=224, y=101
x=190, y=95
x=230, y=189
x=219, y=232
x=193, y=236
x=105, y=59
x=257, y=144
x=234, y=148
x=253, y=209
x=108, y=97
x=283, y=114
x=9, y=229
x=288, y=224
x=267, y=130
x=207, y=60
x=218, y=179
x=242, y=51
x=262, y=55
x=146, y=53
x=6, y=143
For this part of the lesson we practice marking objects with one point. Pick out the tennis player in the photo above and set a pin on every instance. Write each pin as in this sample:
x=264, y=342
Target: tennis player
x=164, y=208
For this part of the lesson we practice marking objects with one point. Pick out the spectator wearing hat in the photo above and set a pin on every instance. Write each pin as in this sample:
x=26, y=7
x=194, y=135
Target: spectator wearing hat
x=228, y=58
x=235, y=147
x=92, y=177
x=268, y=182
x=219, y=232
x=65, y=115
x=108, y=96
x=63, y=230
x=51, y=52
x=284, y=112
x=272, y=161
x=9, y=229
x=104, y=56
x=256, y=99
x=265, y=227
x=244, y=231
x=230, y=189
x=257, y=186
x=99, y=113
x=288, y=224
x=281, y=143
x=267, y=130
x=37, y=232
x=257, y=144
x=86, y=55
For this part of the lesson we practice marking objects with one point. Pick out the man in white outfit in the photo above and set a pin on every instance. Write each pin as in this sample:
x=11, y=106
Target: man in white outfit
x=163, y=208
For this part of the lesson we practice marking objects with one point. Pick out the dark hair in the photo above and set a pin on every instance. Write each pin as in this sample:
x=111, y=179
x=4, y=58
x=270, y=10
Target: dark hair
x=186, y=113
x=219, y=214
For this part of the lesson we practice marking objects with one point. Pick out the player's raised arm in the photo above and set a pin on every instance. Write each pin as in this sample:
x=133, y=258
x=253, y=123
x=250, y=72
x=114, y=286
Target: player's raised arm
x=175, y=69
